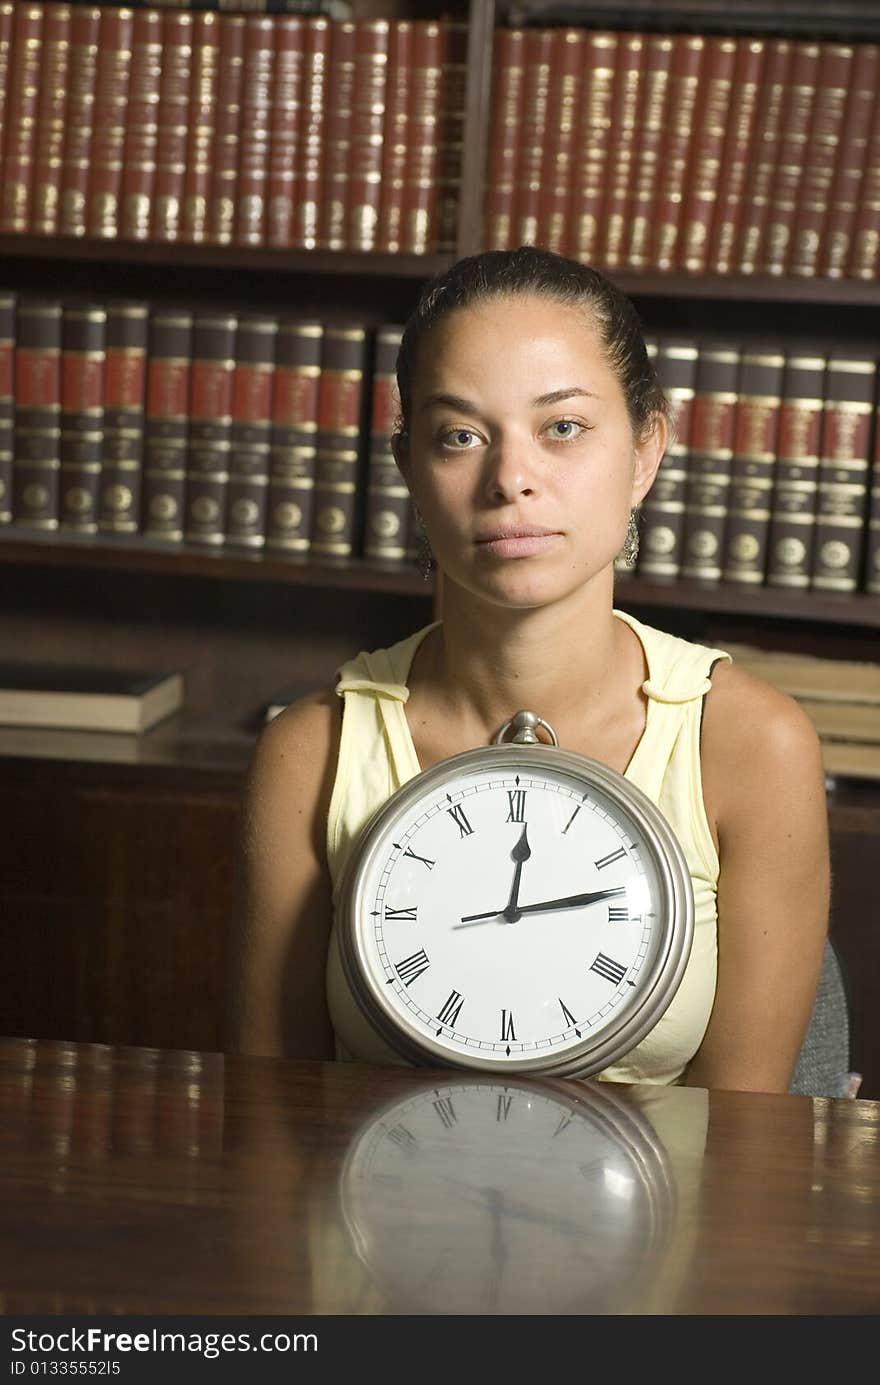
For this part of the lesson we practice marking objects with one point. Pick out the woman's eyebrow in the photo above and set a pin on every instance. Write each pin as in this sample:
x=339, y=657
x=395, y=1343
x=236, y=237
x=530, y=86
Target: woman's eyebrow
x=556, y=396
x=455, y=401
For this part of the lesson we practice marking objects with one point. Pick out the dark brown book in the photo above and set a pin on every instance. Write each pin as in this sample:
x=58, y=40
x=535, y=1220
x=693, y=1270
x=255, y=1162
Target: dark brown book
x=250, y=438
x=740, y=141
x=125, y=383
x=224, y=156
x=821, y=155
x=684, y=86
x=844, y=471
x=755, y=205
x=851, y=161
x=83, y=359
x=201, y=123
x=865, y=240
x=7, y=402
x=394, y=136
x=112, y=88
x=755, y=444
x=593, y=143
x=284, y=131
x=872, y=538
x=508, y=81
x=711, y=460
x=37, y=385
x=363, y=189
x=793, y=505
x=172, y=121
x=49, y=137
x=19, y=145
x=628, y=77
x=166, y=422
x=386, y=516
x=210, y=426
x=294, y=436
x=139, y=148
x=567, y=62
x=451, y=132
x=710, y=120
x=341, y=396
x=79, y=118
x=649, y=138
x=794, y=150
x=419, y=202
x=7, y=21
x=530, y=168
x=662, y=510
x=254, y=130
x=309, y=181
x=337, y=137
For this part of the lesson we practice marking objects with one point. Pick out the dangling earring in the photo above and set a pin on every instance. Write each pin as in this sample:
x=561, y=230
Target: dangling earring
x=424, y=556
x=630, y=550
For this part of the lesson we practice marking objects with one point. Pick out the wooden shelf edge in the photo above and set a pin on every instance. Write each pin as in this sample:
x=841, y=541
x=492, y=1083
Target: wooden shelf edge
x=767, y=602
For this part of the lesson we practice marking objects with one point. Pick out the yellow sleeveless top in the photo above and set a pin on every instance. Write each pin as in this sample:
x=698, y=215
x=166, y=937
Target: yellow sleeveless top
x=377, y=756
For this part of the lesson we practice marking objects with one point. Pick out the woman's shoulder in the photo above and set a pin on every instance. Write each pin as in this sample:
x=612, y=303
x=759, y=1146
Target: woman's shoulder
x=749, y=723
x=300, y=742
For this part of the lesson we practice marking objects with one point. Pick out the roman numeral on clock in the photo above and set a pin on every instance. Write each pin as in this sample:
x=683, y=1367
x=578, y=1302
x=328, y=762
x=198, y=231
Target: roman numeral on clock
x=608, y=860
x=412, y=967
x=446, y=1111
x=607, y=967
x=401, y=915
x=424, y=860
x=459, y=817
x=451, y=1008
x=516, y=799
x=503, y=1109
x=507, y=1030
x=569, y=1017
x=618, y=913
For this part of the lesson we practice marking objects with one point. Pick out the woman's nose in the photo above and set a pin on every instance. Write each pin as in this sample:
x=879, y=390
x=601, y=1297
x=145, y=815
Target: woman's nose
x=510, y=471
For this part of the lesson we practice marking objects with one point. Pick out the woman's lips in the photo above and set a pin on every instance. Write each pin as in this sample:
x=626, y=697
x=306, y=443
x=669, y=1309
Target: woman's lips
x=518, y=543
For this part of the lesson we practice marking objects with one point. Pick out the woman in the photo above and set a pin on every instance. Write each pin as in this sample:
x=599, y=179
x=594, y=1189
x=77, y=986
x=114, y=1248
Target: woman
x=532, y=428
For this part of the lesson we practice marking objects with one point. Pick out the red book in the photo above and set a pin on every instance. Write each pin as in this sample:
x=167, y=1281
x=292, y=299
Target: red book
x=79, y=118
x=201, y=122
x=635, y=245
x=395, y=136
x=338, y=129
x=684, y=87
x=844, y=471
x=172, y=116
x=872, y=563
x=710, y=123
x=532, y=131
x=7, y=21
x=112, y=81
x=139, y=149
x=862, y=258
x=49, y=137
x=125, y=377
x=250, y=440
x=662, y=510
x=594, y=144
x=284, y=134
x=224, y=156
x=628, y=78
x=793, y=511
x=567, y=60
x=386, y=516
x=340, y=400
x=851, y=162
x=821, y=156
x=363, y=188
x=37, y=388
x=508, y=82
x=710, y=461
x=253, y=142
x=294, y=435
x=7, y=403
x=451, y=132
x=419, y=206
x=83, y=357
x=736, y=157
x=308, y=193
x=166, y=422
x=755, y=204
x=209, y=438
x=21, y=118
x=795, y=149
x=755, y=443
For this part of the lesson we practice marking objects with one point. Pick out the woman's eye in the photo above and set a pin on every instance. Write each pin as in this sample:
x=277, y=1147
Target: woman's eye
x=459, y=438
x=564, y=429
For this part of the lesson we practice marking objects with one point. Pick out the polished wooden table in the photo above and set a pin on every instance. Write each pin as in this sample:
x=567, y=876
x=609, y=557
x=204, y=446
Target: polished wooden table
x=145, y=1181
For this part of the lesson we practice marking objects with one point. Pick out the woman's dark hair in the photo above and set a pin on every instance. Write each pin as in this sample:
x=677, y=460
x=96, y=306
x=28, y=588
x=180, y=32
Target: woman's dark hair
x=532, y=270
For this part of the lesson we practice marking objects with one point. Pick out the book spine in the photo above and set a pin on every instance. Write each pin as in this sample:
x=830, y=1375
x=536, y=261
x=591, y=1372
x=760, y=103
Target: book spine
x=166, y=423
x=823, y=150
x=285, y=113
x=662, y=512
x=79, y=118
x=210, y=427
x=201, y=125
x=851, y=162
x=172, y=117
x=386, y=517
x=710, y=461
x=83, y=356
x=774, y=251
x=872, y=556
x=684, y=86
x=567, y=51
x=253, y=143
x=338, y=131
x=509, y=68
x=294, y=436
x=710, y=123
x=7, y=402
x=139, y=149
x=361, y=204
x=251, y=432
x=112, y=88
x=388, y=231
x=37, y=384
x=451, y=131
x=49, y=138
x=21, y=118
x=224, y=154
x=737, y=155
x=865, y=242
x=7, y=25
x=755, y=444
x=419, y=211
x=533, y=130
x=650, y=127
x=125, y=378
x=340, y=399
x=621, y=162
x=594, y=143
x=844, y=466
x=793, y=516
x=755, y=204
x=309, y=181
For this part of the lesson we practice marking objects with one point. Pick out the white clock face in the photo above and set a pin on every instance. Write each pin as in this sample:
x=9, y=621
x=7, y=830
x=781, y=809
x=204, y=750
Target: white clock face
x=510, y=915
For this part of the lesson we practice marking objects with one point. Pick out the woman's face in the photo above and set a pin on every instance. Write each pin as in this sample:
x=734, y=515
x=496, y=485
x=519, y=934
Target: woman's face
x=521, y=456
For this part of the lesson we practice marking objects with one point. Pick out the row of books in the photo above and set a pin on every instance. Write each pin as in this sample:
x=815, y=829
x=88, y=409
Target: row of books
x=281, y=130
x=773, y=472
x=200, y=425
x=687, y=152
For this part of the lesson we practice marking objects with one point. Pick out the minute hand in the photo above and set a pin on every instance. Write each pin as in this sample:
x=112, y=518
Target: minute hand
x=573, y=901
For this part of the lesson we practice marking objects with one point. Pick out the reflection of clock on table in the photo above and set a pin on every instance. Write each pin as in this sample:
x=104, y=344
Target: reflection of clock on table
x=481, y=1196
x=518, y=908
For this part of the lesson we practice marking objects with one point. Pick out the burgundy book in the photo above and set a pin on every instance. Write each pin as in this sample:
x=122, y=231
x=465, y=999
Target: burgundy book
x=616, y=208
x=37, y=387
x=139, y=148
x=794, y=150
x=649, y=139
x=394, y=136
x=733, y=186
x=684, y=85
x=593, y=142
x=451, y=129
x=83, y=358
x=201, y=124
x=821, y=155
x=362, y=189
x=254, y=127
x=793, y=502
x=79, y=118
x=7, y=402
x=508, y=81
x=386, y=515
x=419, y=203
x=112, y=88
x=872, y=555
x=844, y=471
x=341, y=393
x=337, y=137
x=567, y=62
x=19, y=146
x=755, y=444
x=49, y=137
x=533, y=134
x=250, y=438
x=209, y=438
x=284, y=131
x=308, y=184
x=224, y=156
x=711, y=460
x=754, y=206
x=294, y=436
x=702, y=179
x=125, y=382
x=865, y=238
x=172, y=118
x=662, y=510
x=166, y=422
x=851, y=162
x=7, y=21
